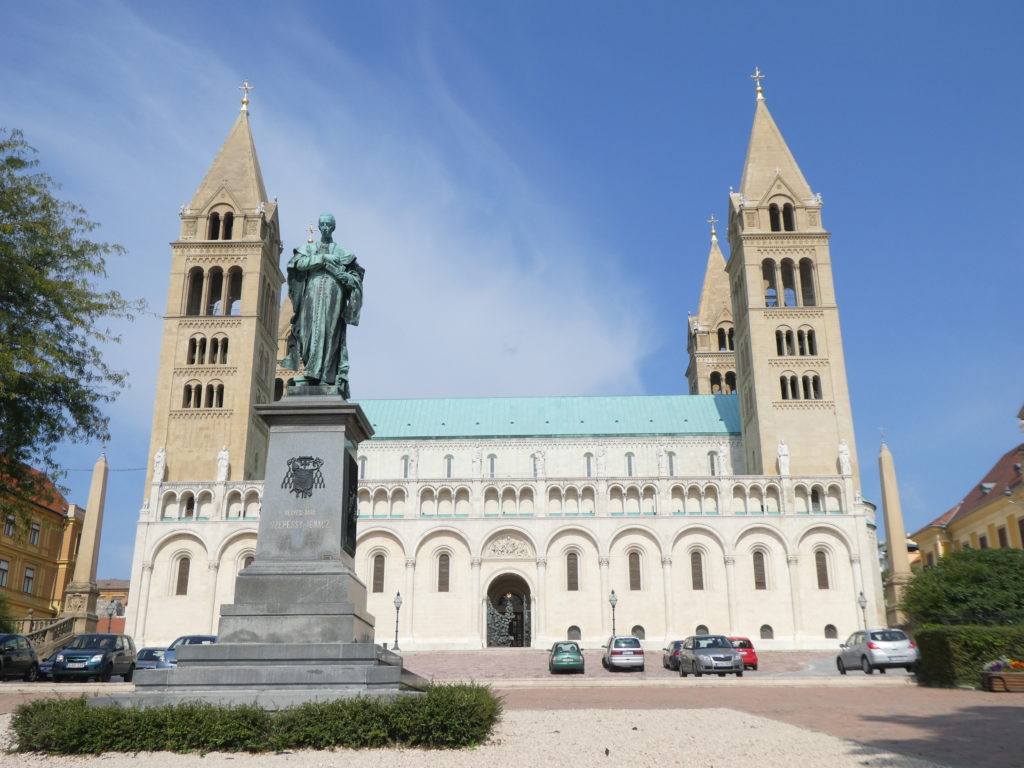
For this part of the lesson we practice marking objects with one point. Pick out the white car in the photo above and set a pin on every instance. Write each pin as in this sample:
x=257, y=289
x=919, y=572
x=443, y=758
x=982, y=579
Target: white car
x=623, y=653
x=879, y=649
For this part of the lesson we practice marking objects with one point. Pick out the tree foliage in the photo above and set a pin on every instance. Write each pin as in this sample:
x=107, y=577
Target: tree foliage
x=54, y=380
x=972, y=586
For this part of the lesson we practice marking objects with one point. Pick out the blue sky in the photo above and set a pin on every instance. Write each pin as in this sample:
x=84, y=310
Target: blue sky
x=527, y=184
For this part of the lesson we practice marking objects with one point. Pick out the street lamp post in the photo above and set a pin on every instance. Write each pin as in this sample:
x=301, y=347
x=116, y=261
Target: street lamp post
x=863, y=602
x=110, y=615
x=612, y=601
x=398, y=607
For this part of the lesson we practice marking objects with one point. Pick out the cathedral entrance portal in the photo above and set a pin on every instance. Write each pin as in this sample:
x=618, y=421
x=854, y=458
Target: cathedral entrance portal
x=508, y=612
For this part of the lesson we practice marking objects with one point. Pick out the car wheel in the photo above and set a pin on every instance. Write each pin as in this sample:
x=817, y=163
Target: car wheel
x=604, y=662
x=696, y=672
x=32, y=674
x=641, y=667
x=129, y=674
x=739, y=674
x=107, y=672
x=840, y=666
x=682, y=670
x=866, y=665
x=910, y=668
x=721, y=674
x=754, y=667
x=58, y=679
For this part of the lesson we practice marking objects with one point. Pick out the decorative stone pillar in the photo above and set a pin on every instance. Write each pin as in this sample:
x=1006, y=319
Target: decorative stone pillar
x=605, y=609
x=793, y=563
x=666, y=575
x=213, y=568
x=139, y=632
x=82, y=592
x=478, y=599
x=410, y=592
x=542, y=591
x=730, y=591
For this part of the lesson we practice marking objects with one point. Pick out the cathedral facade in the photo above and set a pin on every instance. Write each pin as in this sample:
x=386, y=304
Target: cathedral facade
x=733, y=509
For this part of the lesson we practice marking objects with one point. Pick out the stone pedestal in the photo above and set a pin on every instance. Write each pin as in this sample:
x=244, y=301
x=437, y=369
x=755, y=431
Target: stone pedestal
x=298, y=629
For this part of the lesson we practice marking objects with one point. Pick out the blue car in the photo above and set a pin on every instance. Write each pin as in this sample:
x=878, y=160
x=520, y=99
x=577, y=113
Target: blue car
x=46, y=666
x=96, y=655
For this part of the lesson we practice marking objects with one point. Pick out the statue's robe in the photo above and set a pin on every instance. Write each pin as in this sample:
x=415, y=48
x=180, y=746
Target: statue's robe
x=325, y=285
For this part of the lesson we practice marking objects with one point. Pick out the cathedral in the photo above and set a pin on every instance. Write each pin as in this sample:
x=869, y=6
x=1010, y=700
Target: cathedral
x=733, y=509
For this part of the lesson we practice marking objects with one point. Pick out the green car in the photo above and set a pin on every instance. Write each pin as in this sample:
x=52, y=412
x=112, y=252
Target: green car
x=566, y=656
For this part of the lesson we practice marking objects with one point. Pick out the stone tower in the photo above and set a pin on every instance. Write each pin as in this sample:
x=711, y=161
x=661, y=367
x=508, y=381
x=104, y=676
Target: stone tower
x=220, y=326
x=789, y=351
x=710, y=337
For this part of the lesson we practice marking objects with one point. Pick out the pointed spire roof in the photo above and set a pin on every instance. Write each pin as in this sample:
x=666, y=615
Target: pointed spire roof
x=714, y=294
x=769, y=158
x=235, y=171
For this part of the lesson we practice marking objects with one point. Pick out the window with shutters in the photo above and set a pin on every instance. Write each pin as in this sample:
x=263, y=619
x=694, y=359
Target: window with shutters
x=378, y=573
x=5, y=568
x=572, y=572
x=697, y=570
x=33, y=535
x=821, y=565
x=181, y=585
x=29, y=581
x=443, y=572
x=634, y=571
x=760, y=577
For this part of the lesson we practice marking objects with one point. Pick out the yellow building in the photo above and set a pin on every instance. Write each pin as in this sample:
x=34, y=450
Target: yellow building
x=37, y=557
x=991, y=515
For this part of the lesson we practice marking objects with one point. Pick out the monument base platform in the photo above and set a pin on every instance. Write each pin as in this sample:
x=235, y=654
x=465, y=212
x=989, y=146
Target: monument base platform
x=270, y=675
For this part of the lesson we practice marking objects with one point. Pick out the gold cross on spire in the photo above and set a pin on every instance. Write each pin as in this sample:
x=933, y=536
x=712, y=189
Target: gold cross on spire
x=758, y=77
x=309, y=233
x=712, y=221
x=245, y=88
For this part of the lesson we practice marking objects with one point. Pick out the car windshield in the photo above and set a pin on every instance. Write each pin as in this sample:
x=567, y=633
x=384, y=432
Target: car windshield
x=150, y=654
x=566, y=648
x=888, y=636
x=742, y=644
x=626, y=642
x=192, y=640
x=714, y=641
x=92, y=641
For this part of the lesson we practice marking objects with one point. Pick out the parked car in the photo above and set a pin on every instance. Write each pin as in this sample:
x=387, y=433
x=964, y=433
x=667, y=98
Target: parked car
x=623, y=653
x=17, y=658
x=98, y=655
x=149, y=657
x=709, y=654
x=46, y=667
x=879, y=649
x=566, y=656
x=170, y=659
x=746, y=649
x=670, y=655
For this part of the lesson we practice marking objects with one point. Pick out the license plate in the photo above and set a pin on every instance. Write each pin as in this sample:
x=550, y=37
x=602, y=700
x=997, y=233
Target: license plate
x=627, y=653
x=897, y=658
x=76, y=665
x=723, y=663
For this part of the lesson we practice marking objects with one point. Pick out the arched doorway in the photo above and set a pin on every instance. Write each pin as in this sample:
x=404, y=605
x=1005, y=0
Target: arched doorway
x=509, y=612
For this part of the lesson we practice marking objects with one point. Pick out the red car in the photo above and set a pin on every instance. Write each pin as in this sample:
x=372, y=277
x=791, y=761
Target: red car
x=746, y=650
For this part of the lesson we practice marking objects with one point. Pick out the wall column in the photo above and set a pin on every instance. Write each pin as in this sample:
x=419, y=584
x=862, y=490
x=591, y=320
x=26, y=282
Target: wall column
x=666, y=577
x=143, y=609
x=213, y=570
x=540, y=598
x=410, y=582
x=479, y=629
x=730, y=591
x=606, y=621
x=793, y=561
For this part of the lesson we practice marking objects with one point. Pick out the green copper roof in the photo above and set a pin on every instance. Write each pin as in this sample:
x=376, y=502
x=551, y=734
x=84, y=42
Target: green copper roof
x=553, y=416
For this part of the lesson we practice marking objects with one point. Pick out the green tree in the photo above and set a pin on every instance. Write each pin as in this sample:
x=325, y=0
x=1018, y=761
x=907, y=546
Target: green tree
x=972, y=586
x=54, y=380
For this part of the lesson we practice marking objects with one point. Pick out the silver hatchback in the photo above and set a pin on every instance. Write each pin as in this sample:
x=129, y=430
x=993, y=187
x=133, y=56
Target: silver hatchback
x=709, y=655
x=879, y=649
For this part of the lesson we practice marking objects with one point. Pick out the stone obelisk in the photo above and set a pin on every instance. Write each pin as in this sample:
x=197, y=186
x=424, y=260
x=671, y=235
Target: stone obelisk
x=896, y=538
x=82, y=593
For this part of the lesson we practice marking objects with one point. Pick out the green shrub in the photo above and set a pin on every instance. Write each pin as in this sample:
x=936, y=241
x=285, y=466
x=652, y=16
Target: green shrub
x=444, y=717
x=953, y=655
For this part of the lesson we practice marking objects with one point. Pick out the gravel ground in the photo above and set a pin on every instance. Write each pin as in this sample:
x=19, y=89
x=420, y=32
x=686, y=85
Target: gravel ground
x=695, y=738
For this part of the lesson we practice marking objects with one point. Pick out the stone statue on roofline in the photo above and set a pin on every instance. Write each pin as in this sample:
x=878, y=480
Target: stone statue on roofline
x=325, y=285
x=783, y=458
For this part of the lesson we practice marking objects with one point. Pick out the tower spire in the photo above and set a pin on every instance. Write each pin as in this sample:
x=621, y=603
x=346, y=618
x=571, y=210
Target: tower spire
x=245, y=88
x=712, y=221
x=769, y=160
x=758, y=77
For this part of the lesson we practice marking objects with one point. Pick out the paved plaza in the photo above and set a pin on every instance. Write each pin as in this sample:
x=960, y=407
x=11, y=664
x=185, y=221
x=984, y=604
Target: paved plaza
x=884, y=713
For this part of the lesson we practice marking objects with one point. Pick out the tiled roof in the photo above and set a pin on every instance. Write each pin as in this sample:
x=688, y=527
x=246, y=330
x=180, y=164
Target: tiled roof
x=993, y=485
x=554, y=416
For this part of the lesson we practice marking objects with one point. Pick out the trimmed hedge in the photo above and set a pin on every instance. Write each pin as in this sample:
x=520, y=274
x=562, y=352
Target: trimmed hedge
x=954, y=655
x=444, y=717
